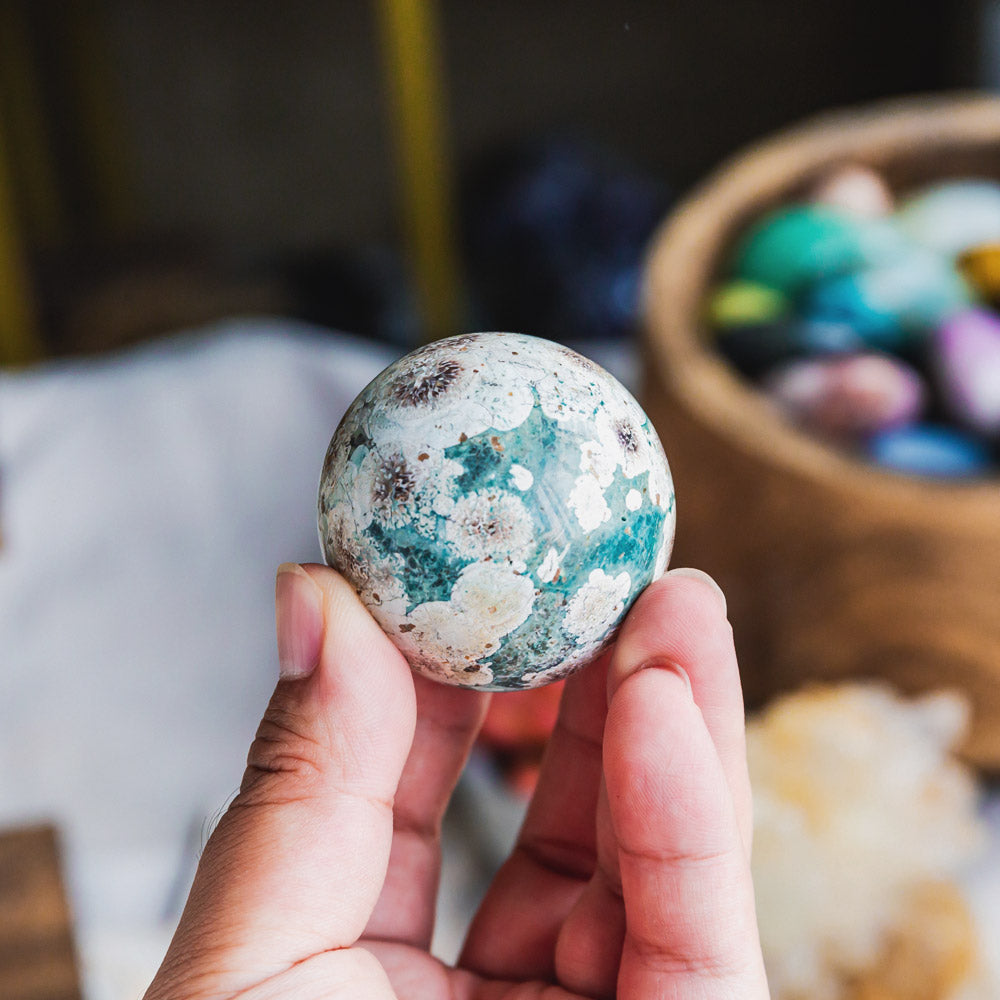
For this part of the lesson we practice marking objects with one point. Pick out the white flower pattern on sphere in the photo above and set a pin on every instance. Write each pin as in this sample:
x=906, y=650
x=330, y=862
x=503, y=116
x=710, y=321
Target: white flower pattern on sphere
x=498, y=502
x=597, y=606
x=487, y=602
x=587, y=502
x=490, y=523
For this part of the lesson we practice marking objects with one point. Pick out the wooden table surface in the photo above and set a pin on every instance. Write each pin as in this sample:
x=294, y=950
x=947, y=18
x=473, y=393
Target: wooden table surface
x=37, y=955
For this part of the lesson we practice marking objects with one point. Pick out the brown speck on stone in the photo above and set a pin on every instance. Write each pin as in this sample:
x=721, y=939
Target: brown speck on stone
x=377, y=597
x=493, y=609
x=407, y=628
x=473, y=668
x=514, y=352
x=495, y=441
x=423, y=456
x=463, y=437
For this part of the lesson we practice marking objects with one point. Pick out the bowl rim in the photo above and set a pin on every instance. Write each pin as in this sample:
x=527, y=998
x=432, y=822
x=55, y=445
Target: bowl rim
x=684, y=253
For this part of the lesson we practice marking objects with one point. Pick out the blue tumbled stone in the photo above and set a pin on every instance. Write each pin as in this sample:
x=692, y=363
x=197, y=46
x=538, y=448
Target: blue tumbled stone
x=892, y=305
x=930, y=450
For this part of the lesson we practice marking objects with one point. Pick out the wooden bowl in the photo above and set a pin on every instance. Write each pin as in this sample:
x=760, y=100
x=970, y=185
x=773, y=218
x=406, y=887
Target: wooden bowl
x=833, y=568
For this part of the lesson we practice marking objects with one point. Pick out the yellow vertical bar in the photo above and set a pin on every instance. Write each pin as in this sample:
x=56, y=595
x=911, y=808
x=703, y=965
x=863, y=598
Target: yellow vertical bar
x=413, y=69
x=19, y=340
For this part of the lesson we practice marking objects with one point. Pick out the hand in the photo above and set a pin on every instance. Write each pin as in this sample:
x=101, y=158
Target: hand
x=630, y=877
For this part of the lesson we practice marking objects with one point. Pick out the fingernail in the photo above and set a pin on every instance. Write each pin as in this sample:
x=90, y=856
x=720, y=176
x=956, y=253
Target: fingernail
x=697, y=574
x=616, y=679
x=673, y=668
x=299, y=620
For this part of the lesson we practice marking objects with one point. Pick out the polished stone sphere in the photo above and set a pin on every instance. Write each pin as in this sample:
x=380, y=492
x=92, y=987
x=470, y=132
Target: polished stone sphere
x=498, y=501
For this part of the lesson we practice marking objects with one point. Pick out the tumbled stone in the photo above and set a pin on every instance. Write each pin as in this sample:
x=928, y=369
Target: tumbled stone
x=848, y=397
x=855, y=190
x=966, y=353
x=952, y=216
x=792, y=247
x=980, y=265
x=930, y=450
x=738, y=303
x=891, y=305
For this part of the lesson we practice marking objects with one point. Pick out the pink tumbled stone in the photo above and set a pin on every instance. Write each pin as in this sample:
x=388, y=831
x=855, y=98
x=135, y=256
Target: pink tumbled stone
x=848, y=397
x=854, y=189
x=967, y=358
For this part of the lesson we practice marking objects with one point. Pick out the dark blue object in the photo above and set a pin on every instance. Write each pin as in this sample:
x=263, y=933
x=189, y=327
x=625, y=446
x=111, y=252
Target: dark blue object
x=554, y=236
x=930, y=450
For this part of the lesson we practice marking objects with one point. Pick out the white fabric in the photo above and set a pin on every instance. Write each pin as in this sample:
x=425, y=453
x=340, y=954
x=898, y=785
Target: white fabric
x=145, y=502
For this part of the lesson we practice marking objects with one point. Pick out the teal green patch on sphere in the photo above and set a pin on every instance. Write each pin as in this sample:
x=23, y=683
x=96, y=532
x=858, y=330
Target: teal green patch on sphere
x=498, y=502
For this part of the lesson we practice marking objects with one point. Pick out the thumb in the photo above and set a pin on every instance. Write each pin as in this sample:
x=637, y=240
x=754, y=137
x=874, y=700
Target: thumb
x=297, y=862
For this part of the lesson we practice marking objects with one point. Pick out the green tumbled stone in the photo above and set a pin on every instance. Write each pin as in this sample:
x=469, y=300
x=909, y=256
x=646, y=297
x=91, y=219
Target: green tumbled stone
x=795, y=246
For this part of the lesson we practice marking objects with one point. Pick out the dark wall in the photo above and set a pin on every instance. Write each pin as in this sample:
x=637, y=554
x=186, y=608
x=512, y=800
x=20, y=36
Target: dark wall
x=264, y=123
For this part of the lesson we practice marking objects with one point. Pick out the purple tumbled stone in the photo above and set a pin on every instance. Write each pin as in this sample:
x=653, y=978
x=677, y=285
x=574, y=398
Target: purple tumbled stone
x=848, y=397
x=967, y=359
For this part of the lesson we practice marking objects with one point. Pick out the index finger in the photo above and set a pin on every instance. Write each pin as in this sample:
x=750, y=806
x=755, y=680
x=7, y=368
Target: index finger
x=681, y=618
x=448, y=719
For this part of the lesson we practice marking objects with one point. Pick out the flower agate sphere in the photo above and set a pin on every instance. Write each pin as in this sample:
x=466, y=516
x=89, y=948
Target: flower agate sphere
x=498, y=502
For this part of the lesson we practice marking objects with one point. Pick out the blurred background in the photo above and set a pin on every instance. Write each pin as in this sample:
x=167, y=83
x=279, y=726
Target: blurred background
x=233, y=157
x=218, y=221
